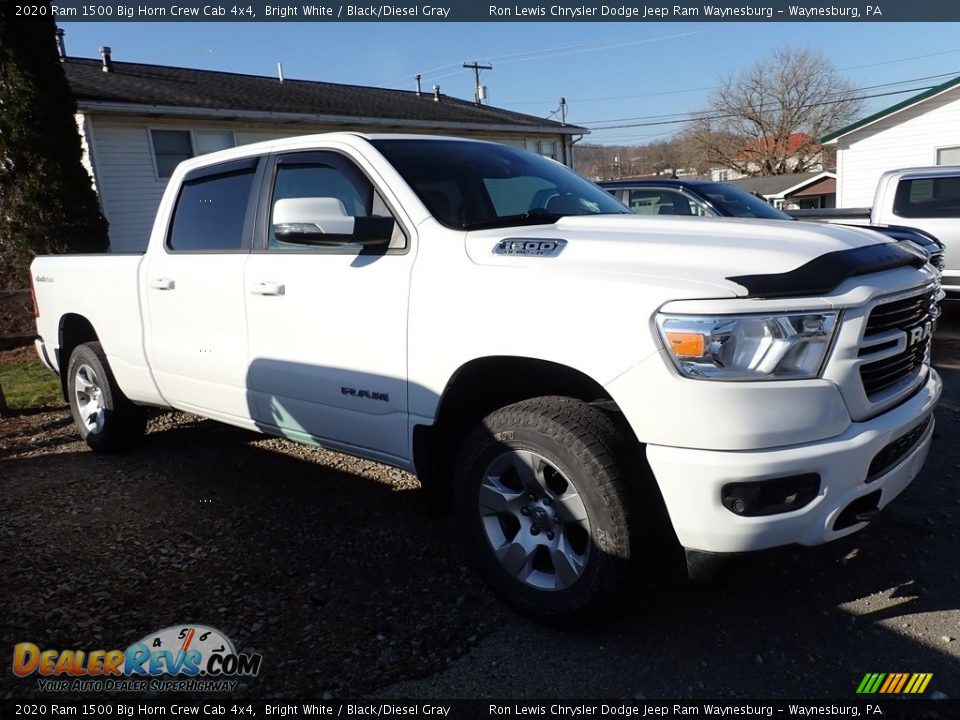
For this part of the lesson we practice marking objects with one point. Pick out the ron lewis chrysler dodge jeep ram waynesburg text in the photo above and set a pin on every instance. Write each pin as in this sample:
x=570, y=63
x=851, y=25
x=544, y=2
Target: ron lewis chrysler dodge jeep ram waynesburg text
x=584, y=386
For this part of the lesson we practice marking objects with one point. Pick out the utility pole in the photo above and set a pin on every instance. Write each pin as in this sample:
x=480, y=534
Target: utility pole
x=476, y=77
x=563, y=111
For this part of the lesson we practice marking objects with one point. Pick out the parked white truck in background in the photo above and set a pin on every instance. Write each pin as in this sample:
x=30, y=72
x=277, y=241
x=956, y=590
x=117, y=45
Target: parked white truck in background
x=568, y=374
x=926, y=198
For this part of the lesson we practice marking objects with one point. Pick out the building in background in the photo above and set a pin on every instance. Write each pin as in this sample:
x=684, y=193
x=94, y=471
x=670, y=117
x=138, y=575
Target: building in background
x=137, y=122
x=799, y=191
x=919, y=131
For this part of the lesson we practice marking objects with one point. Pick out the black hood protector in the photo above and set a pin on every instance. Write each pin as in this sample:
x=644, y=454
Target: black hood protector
x=825, y=273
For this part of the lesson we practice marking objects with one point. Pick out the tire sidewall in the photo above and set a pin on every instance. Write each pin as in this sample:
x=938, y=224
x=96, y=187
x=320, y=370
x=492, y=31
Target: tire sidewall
x=106, y=437
x=487, y=443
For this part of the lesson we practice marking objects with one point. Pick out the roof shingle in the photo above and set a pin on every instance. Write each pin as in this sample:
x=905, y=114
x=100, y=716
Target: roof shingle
x=159, y=85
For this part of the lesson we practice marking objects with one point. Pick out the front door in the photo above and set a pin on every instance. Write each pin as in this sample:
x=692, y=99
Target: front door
x=328, y=325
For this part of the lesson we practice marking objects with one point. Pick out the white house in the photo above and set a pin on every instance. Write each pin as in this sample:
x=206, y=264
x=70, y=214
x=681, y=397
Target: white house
x=138, y=121
x=921, y=130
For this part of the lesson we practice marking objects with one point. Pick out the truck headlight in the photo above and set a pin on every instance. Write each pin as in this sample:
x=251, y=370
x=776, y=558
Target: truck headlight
x=748, y=347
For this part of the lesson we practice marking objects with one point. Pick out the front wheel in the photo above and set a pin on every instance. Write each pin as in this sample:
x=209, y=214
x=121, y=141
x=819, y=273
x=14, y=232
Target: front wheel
x=104, y=417
x=542, y=499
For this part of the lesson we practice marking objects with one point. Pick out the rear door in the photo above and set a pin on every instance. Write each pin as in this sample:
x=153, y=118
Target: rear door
x=193, y=283
x=328, y=325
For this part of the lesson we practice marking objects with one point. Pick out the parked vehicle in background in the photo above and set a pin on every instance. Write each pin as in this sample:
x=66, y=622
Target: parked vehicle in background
x=707, y=198
x=702, y=198
x=925, y=198
x=584, y=387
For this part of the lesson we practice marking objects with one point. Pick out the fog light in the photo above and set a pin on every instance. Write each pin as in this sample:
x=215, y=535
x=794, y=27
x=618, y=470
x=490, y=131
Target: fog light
x=770, y=497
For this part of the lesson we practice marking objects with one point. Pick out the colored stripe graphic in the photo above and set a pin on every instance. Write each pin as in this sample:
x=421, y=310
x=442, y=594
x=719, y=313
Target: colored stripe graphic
x=903, y=681
x=894, y=683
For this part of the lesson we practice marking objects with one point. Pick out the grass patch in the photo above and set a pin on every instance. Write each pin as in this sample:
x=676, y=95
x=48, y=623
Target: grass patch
x=27, y=383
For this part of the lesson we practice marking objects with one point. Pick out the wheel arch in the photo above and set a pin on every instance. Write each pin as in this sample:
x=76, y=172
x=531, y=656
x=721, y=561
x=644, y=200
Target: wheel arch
x=74, y=330
x=476, y=389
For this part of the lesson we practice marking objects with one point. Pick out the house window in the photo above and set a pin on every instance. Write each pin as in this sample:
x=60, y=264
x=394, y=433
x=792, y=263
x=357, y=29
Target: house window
x=208, y=141
x=948, y=156
x=172, y=147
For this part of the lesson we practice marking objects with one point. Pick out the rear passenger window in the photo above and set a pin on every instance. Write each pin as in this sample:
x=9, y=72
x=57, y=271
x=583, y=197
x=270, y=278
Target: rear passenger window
x=211, y=212
x=928, y=198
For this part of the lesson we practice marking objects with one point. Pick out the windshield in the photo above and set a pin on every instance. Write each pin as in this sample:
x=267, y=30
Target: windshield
x=473, y=185
x=734, y=202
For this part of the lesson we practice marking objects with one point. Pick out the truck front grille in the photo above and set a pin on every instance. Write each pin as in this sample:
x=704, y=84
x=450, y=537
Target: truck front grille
x=913, y=317
x=900, y=314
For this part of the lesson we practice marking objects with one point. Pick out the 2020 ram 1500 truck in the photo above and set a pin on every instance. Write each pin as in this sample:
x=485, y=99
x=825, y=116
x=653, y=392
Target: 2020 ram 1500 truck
x=566, y=373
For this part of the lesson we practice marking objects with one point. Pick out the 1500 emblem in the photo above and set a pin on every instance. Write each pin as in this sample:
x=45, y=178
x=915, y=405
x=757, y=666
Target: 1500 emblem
x=529, y=246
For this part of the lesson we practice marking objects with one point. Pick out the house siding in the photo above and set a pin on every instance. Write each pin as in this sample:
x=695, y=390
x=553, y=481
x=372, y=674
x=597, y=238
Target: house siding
x=908, y=138
x=126, y=177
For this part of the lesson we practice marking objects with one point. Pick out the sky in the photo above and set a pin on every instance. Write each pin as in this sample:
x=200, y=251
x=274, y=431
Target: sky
x=609, y=73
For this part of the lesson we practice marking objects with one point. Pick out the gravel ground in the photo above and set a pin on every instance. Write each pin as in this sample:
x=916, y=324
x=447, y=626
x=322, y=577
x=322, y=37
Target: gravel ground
x=330, y=568
x=327, y=565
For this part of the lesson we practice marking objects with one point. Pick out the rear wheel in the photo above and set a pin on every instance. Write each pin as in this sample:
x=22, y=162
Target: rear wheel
x=104, y=417
x=542, y=500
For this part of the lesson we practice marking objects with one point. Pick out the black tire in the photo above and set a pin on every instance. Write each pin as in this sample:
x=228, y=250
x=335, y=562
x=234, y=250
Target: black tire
x=589, y=451
x=121, y=424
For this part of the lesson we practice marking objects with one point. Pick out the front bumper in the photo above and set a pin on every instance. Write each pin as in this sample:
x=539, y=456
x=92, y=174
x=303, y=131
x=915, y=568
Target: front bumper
x=691, y=480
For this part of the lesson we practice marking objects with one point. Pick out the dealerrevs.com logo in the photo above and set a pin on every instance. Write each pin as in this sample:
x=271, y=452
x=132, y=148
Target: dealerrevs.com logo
x=181, y=657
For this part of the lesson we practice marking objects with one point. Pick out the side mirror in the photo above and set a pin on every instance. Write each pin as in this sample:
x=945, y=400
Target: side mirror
x=324, y=221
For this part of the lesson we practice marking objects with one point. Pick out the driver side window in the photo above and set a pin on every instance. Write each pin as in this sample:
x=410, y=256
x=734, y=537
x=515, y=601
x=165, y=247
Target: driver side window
x=327, y=176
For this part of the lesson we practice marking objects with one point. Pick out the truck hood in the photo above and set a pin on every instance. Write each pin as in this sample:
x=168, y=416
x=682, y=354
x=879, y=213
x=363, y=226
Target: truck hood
x=725, y=256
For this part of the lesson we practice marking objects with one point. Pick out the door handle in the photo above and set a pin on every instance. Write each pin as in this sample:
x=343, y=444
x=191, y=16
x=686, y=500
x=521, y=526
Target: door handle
x=267, y=288
x=162, y=284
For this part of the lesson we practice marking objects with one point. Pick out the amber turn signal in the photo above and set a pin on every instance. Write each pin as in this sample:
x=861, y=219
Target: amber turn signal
x=687, y=344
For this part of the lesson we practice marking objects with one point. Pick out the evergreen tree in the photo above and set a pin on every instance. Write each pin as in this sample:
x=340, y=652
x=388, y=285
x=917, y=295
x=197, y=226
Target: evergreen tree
x=47, y=202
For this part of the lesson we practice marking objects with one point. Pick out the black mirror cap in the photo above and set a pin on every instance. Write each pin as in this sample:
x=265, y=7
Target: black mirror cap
x=375, y=230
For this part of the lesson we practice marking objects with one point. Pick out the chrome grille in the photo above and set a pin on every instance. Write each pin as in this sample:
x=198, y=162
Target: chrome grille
x=900, y=315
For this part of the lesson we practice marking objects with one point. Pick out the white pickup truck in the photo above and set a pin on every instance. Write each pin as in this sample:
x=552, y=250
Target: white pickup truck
x=565, y=373
x=925, y=198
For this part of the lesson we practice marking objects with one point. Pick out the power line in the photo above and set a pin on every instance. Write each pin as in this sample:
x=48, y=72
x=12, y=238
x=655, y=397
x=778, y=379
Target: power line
x=733, y=115
x=836, y=92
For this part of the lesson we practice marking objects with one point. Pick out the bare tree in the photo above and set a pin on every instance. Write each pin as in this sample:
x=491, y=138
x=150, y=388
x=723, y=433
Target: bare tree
x=768, y=119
